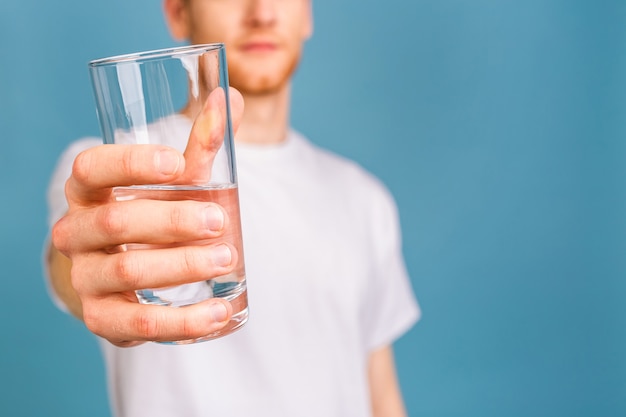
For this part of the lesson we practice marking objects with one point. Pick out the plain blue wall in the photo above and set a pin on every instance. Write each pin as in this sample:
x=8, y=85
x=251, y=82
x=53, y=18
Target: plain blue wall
x=500, y=127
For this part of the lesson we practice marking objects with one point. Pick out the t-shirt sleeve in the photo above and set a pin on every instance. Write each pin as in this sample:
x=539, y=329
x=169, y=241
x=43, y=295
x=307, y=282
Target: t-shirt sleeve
x=57, y=205
x=391, y=308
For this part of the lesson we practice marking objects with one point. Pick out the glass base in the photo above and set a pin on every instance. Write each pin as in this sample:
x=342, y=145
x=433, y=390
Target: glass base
x=235, y=293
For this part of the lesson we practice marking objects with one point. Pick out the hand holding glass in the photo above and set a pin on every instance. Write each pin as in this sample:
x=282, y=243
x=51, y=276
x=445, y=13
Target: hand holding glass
x=179, y=98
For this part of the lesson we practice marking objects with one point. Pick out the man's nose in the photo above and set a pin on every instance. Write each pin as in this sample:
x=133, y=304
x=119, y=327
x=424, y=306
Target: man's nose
x=261, y=12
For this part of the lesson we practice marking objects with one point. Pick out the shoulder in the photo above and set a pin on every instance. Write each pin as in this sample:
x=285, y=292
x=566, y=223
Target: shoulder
x=345, y=172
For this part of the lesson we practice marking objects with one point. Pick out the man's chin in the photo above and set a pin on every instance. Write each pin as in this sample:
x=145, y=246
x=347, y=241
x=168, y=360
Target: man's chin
x=255, y=86
x=260, y=81
x=259, y=90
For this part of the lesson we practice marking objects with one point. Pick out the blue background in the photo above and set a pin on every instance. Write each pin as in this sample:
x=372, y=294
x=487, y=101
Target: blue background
x=500, y=127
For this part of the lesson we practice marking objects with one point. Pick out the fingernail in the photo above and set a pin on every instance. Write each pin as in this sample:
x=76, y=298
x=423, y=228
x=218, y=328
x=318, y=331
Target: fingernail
x=214, y=218
x=167, y=162
x=218, y=312
x=221, y=255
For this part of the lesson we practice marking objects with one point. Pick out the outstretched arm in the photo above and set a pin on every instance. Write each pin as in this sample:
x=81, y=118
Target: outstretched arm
x=384, y=388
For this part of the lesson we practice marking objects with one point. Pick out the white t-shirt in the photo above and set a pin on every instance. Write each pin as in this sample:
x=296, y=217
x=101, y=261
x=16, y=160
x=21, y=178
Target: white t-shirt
x=326, y=285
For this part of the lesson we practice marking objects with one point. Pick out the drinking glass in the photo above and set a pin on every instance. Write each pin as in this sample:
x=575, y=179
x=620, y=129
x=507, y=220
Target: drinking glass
x=154, y=97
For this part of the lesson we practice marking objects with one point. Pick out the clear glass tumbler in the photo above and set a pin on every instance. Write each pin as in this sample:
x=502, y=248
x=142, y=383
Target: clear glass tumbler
x=154, y=98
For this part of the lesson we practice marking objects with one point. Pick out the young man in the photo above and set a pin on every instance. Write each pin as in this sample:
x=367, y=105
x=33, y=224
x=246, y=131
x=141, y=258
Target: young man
x=327, y=285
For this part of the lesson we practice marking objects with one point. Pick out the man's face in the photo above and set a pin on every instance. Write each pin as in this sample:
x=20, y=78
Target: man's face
x=263, y=38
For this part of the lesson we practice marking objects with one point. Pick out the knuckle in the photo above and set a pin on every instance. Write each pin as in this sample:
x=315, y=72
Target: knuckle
x=192, y=326
x=67, y=189
x=178, y=218
x=59, y=235
x=147, y=325
x=128, y=161
x=127, y=269
x=82, y=167
x=91, y=319
x=190, y=261
x=75, y=278
x=112, y=220
x=81, y=276
x=186, y=327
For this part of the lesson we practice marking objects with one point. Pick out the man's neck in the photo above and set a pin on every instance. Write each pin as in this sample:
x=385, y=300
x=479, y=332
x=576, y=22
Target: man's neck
x=265, y=118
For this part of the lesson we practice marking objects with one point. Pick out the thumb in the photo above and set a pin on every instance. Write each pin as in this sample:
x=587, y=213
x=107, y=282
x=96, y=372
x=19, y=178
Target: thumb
x=205, y=139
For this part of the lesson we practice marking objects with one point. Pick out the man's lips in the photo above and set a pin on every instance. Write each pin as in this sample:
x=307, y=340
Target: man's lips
x=259, y=46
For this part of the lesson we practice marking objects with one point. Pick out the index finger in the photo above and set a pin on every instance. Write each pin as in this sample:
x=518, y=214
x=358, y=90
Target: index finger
x=97, y=170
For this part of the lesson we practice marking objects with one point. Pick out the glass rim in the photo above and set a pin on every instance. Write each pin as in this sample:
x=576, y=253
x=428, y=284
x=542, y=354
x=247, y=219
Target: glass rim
x=156, y=54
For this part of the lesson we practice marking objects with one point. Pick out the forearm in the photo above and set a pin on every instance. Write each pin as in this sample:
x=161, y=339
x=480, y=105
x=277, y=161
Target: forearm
x=385, y=391
x=59, y=267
